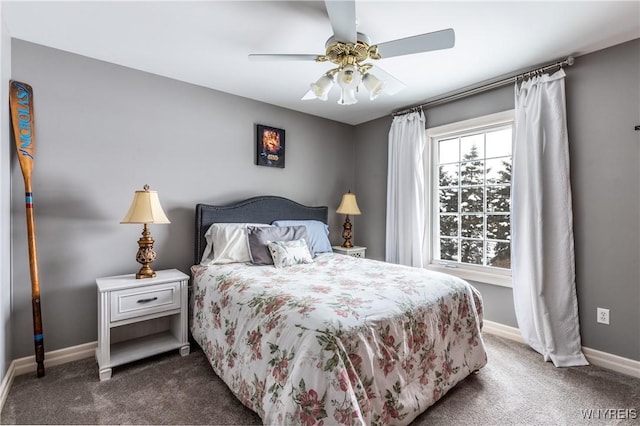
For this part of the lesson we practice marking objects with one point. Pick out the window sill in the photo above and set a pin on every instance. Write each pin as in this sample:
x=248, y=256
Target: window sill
x=481, y=277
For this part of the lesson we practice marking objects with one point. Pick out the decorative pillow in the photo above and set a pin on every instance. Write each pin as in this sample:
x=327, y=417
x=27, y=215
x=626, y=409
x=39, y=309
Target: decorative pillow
x=288, y=253
x=227, y=243
x=259, y=237
x=317, y=233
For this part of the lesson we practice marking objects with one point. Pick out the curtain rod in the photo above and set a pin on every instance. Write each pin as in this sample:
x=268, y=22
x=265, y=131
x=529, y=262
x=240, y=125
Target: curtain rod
x=483, y=87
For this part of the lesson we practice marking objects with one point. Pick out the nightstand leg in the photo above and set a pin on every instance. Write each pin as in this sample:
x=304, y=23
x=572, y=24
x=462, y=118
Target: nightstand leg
x=105, y=374
x=184, y=351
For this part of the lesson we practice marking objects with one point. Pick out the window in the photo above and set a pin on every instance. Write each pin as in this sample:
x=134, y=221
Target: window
x=470, y=190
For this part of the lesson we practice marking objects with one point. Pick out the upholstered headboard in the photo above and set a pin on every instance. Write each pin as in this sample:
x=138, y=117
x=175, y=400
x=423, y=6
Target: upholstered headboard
x=264, y=209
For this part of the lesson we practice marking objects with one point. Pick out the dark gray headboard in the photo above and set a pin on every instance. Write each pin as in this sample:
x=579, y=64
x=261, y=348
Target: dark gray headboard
x=264, y=209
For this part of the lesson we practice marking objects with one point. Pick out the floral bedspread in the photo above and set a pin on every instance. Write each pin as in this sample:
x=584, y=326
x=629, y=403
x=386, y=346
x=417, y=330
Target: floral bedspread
x=338, y=341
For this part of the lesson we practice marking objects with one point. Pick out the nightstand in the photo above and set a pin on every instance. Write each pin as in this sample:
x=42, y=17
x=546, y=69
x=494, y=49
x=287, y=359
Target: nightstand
x=138, y=318
x=355, y=251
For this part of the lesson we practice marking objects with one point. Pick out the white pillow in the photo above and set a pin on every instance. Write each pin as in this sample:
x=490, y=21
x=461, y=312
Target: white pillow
x=227, y=243
x=288, y=253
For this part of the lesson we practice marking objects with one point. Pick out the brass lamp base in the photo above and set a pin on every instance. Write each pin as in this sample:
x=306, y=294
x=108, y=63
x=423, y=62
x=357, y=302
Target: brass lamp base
x=346, y=233
x=145, y=272
x=146, y=255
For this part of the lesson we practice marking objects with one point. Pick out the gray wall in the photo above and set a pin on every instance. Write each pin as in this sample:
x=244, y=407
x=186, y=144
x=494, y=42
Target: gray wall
x=603, y=106
x=5, y=200
x=370, y=163
x=103, y=131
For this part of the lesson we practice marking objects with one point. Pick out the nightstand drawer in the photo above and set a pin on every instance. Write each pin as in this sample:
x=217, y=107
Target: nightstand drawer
x=135, y=302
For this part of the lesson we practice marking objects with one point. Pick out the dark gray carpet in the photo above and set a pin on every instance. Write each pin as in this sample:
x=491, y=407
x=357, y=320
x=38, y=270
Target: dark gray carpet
x=515, y=388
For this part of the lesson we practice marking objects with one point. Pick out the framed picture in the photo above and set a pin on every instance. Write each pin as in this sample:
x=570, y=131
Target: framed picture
x=269, y=146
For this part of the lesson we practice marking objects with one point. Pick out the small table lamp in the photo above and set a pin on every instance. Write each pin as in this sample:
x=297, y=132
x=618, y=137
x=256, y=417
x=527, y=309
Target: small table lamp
x=145, y=208
x=348, y=206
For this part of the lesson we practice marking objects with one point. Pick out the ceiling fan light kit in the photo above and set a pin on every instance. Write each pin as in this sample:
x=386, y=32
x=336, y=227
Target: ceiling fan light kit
x=349, y=49
x=350, y=73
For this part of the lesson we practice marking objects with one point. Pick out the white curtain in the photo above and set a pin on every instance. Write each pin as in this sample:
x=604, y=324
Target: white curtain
x=543, y=263
x=406, y=219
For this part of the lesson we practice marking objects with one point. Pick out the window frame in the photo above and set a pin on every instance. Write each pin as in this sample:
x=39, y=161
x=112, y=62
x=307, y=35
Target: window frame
x=484, y=274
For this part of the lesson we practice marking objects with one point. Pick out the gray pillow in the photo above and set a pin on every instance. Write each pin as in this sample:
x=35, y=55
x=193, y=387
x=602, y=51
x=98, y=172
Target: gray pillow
x=258, y=237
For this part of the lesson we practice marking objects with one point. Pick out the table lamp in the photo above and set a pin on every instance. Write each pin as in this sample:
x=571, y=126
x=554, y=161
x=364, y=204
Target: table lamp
x=348, y=206
x=145, y=208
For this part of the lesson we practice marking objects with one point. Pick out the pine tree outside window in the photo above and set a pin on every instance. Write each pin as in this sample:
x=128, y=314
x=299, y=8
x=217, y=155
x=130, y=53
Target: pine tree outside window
x=469, y=167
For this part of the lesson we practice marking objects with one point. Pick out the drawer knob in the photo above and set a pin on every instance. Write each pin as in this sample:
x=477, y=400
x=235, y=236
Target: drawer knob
x=151, y=299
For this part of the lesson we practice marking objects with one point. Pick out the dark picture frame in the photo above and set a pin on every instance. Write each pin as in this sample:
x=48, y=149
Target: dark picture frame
x=270, y=148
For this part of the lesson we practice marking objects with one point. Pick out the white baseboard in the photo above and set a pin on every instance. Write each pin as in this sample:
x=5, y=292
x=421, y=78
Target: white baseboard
x=595, y=357
x=60, y=356
x=7, y=380
x=506, y=331
x=28, y=364
x=612, y=362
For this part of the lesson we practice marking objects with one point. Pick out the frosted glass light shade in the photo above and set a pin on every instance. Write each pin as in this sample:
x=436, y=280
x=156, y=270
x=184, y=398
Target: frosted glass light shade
x=145, y=208
x=348, y=97
x=373, y=85
x=349, y=77
x=349, y=205
x=321, y=87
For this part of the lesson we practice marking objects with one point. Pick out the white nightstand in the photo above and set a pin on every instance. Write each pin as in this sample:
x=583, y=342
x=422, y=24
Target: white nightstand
x=138, y=318
x=355, y=251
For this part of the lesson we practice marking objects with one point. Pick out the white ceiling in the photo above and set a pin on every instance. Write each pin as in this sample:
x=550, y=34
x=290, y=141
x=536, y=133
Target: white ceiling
x=207, y=42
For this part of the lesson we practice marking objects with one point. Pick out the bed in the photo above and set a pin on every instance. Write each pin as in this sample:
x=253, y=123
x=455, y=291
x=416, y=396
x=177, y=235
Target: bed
x=341, y=340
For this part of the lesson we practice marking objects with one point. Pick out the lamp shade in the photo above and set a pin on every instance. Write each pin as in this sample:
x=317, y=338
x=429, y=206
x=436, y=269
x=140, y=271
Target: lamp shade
x=348, y=205
x=145, y=208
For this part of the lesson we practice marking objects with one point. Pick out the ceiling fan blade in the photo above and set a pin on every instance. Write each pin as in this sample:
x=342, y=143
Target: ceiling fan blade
x=391, y=84
x=342, y=15
x=309, y=95
x=281, y=57
x=443, y=39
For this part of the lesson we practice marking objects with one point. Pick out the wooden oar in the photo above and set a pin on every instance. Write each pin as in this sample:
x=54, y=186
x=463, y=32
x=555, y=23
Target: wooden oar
x=21, y=104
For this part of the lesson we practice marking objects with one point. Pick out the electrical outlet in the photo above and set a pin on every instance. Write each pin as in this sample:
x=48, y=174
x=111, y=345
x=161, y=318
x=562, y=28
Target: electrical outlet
x=603, y=316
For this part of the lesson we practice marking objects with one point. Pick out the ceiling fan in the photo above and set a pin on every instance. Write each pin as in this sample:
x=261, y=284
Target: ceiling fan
x=349, y=50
